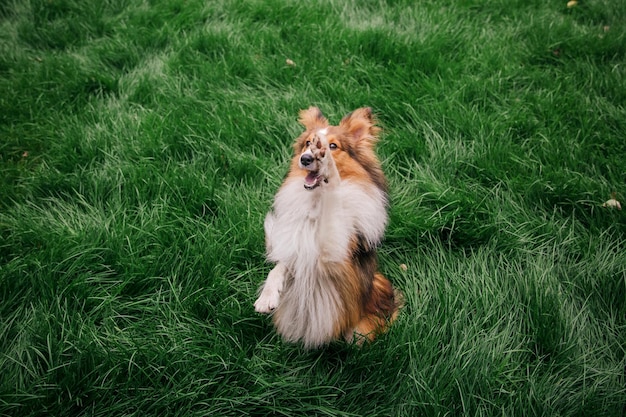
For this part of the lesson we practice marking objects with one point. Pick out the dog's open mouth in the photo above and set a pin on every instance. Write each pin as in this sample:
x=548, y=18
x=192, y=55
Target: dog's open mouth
x=312, y=180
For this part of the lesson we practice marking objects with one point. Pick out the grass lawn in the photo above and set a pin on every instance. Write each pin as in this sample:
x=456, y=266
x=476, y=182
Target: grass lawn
x=141, y=144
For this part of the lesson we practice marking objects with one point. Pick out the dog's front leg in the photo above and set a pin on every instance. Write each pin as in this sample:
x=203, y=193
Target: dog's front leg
x=270, y=292
x=331, y=244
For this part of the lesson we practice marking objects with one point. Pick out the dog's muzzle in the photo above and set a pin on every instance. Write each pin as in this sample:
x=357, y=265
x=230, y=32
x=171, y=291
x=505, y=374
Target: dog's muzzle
x=308, y=162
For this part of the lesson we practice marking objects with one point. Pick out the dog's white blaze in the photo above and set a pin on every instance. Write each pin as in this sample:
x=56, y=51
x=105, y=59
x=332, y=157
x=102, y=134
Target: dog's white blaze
x=314, y=231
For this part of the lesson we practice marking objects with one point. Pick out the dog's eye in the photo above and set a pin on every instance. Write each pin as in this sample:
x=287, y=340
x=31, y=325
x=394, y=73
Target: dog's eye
x=308, y=143
x=333, y=146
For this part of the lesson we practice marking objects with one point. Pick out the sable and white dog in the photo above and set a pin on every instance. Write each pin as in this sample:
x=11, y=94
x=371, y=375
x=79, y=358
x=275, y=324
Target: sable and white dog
x=326, y=222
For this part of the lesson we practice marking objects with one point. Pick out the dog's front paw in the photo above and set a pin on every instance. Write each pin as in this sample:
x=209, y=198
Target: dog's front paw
x=270, y=294
x=267, y=301
x=319, y=148
x=325, y=163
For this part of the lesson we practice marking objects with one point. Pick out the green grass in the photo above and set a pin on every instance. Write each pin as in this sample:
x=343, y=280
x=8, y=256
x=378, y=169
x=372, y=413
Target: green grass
x=141, y=143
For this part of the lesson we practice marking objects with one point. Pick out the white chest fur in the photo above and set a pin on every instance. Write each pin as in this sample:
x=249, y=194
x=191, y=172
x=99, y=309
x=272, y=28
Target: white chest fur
x=312, y=226
x=306, y=231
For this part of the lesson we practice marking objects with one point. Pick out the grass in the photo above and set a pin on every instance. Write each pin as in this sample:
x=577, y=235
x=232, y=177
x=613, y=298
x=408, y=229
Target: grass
x=141, y=143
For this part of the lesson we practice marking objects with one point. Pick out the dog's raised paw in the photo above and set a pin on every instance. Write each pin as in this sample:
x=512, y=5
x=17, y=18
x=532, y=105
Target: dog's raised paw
x=319, y=150
x=318, y=147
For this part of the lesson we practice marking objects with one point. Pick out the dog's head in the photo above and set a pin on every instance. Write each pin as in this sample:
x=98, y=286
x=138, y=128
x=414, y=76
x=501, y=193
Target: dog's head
x=350, y=145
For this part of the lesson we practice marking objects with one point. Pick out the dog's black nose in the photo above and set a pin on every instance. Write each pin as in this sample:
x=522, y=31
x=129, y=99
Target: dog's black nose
x=306, y=159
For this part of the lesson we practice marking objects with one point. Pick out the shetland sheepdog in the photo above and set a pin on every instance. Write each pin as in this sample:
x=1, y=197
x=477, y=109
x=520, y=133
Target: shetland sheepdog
x=322, y=232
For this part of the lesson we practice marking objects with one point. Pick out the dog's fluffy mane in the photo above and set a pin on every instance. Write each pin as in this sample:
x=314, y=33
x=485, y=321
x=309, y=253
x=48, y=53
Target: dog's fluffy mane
x=324, y=241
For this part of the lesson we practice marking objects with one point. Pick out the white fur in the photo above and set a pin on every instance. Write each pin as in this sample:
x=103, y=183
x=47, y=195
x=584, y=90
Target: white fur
x=293, y=227
x=305, y=231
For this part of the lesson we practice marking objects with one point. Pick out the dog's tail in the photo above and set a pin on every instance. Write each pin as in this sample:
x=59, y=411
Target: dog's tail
x=381, y=308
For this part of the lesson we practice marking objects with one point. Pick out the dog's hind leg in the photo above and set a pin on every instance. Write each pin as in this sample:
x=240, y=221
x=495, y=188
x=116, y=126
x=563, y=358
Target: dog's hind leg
x=381, y=309
x=270, y=292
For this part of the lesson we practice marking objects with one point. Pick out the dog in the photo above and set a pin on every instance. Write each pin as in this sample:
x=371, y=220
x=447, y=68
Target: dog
x=322, y=232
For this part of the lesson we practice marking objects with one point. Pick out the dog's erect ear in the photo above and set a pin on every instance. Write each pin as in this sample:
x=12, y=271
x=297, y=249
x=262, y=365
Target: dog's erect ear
x=312, y=118
x=361, y=124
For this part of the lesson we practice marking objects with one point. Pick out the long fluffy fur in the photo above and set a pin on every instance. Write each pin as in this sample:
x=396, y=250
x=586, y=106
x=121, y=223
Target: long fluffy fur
x=326, y=283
